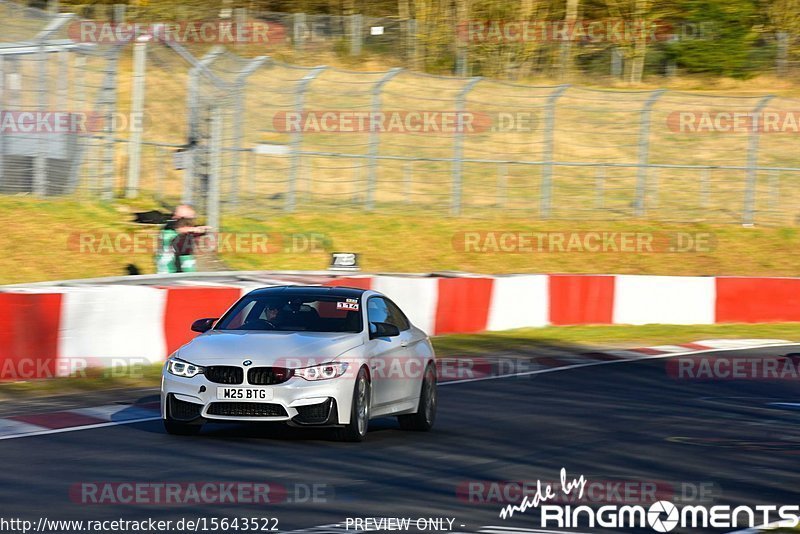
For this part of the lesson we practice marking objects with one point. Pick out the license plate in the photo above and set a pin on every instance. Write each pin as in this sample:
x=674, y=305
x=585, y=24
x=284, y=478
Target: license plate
x=244, y=393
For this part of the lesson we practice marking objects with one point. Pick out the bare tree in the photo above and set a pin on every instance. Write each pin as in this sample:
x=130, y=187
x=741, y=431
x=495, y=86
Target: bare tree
x=638, y=17
x=567, y=54
x=784, y=16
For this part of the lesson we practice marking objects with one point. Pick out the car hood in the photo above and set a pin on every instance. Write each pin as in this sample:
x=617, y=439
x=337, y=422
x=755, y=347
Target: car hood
x=298, y=349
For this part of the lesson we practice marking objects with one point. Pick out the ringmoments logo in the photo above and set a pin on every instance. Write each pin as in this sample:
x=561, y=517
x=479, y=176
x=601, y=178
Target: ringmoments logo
x=660, y=516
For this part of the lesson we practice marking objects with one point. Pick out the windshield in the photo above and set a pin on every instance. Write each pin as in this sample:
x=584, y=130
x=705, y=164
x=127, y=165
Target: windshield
x=294, y=313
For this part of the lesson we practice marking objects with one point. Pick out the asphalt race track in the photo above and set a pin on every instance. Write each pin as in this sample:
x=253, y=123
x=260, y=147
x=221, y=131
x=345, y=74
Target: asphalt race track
x=627, y=421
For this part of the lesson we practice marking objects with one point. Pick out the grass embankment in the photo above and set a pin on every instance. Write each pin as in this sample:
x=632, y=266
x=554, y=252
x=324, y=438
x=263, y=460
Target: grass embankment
x=521, y=342
x=40, y=241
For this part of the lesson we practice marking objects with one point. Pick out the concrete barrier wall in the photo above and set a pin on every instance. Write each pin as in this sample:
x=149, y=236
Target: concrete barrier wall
x=52, y=331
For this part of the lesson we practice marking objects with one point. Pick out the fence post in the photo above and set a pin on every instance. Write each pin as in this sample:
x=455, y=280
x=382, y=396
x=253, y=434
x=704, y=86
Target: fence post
x=298, y=30
x=415, y=55
x=356, y=180
x=82, y=142
x=212, y=201
x=109, y=91
x=408, y=40
x=752, y=162
x=458, y=146
x=374, y=137
x=616, y=63
x=599, y=183
x=240, y=18
x=782, y=59
x=408, y=172
x=356, y=23
x=252, y=170
x=137, y=110
x=62, y=94
x=705, y=179
x=238, y=123
x=547, y=155
x=40, y=161
x=502, y=182
x=119, y=13
x=644, y=152
x=297, y=137
x=192, y=99
x=654, y=189
x=774, y=189
x=159, y=172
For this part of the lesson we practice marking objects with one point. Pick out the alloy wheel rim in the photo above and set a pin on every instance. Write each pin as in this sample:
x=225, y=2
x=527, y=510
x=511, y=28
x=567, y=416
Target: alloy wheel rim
x=362, y=406
x=430, y=399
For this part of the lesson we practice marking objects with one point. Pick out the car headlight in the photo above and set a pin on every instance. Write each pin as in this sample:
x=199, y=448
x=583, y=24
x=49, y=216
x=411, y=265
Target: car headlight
x=325, y=371
x=181, y=368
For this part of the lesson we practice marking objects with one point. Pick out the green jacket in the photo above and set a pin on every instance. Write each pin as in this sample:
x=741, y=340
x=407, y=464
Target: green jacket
x=167, y=260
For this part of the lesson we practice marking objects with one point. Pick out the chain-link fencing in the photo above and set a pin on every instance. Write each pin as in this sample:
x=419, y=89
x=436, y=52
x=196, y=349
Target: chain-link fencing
x=198, y=122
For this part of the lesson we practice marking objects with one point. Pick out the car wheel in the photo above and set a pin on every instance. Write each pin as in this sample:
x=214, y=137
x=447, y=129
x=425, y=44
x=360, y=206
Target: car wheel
x=422, y=421
x=356, y=429
x=181, y=429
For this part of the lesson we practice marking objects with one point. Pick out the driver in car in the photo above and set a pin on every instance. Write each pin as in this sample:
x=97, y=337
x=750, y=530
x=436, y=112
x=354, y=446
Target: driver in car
x=271, y=314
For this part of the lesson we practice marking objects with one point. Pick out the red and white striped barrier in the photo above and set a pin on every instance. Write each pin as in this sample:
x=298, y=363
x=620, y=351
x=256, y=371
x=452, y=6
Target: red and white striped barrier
x=53, y=331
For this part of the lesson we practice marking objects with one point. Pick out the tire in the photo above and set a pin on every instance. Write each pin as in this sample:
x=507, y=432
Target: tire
x=181, y=429
x=356, y=429
x=423, y=419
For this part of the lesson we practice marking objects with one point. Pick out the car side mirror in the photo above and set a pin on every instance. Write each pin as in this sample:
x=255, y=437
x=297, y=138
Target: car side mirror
x=203, y=325
x=384, y=330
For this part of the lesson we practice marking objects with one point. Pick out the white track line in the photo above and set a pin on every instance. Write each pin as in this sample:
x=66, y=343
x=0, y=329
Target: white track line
x=76, y=428
x=464, y=381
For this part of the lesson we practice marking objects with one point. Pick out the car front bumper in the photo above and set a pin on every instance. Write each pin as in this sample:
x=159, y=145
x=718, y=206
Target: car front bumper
x=297, y=401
